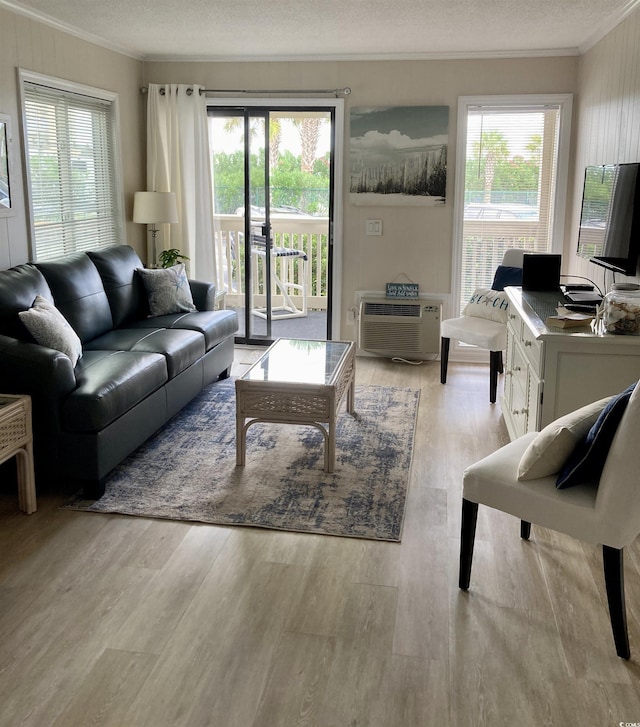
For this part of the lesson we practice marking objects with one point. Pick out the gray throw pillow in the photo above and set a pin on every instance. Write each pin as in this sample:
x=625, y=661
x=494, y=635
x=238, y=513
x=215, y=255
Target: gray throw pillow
x=168, y=290
x=51, y=329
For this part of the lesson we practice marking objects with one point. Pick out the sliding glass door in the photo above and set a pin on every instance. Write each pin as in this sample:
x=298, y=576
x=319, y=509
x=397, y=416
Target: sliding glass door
x=273, y=199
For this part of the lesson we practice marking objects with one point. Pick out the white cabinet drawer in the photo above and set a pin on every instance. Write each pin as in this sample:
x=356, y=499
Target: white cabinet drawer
x=534, y=394
x=511, y=343
x=533, y=349
x=514, y=322
x=519, y=365
x=516, y=389
x=518, y=412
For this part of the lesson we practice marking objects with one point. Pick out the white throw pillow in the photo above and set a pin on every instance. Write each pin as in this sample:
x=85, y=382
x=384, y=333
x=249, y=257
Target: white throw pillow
x=490, y=304
x=549, y=451
x=51, y=329
x=168, y=290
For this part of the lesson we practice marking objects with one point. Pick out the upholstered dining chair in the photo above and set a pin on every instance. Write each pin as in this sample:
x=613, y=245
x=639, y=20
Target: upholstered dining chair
x=474, y=329
x=601, y=509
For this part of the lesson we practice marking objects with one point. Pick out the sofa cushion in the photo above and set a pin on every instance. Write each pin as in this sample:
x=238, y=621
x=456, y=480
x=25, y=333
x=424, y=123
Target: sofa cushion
x=215, y=325
x=109, y=384
x=79, y=294
x=181, y=348
x=51, y=329
x=125, y=291
x=168, y=290
x=19, y=287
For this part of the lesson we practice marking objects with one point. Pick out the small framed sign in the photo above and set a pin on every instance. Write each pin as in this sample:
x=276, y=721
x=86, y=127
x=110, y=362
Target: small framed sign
x=402, y=290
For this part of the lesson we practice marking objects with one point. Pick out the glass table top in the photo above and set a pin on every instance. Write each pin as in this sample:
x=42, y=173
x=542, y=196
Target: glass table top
x=300, y=362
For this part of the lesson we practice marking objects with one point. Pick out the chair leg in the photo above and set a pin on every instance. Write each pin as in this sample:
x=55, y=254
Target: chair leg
x=614, y=581
x=467, y=539
x=494, y=366
x=444, y=359
x=500, y=363
x=525, y=529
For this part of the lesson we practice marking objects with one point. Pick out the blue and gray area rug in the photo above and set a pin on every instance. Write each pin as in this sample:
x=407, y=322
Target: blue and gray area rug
x=187, y=471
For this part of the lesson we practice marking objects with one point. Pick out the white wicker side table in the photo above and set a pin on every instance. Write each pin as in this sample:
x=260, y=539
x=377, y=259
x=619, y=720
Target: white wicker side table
x=16, y=440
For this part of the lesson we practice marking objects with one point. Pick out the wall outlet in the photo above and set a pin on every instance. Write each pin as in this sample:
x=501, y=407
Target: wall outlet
x=351, y=317
x=374, y=227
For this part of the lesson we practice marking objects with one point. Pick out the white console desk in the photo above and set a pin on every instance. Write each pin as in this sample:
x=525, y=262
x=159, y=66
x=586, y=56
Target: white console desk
x=551, y=371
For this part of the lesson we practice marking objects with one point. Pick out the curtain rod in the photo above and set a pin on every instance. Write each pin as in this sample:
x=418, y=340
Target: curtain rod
x=332, y=91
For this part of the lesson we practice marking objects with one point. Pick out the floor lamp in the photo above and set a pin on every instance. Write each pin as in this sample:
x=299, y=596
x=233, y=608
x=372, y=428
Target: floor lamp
x=152, y=208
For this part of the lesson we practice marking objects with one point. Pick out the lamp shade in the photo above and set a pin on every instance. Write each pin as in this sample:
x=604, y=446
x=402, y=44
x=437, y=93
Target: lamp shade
x=152, y=207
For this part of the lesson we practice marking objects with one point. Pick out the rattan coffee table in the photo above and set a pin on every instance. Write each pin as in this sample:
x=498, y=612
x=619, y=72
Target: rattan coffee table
x=297, y=382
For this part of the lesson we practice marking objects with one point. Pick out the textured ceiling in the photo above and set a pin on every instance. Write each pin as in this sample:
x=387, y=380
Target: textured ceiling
x=339, y=29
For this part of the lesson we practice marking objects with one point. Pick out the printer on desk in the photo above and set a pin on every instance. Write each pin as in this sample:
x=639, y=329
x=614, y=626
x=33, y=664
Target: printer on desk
x=582, y=296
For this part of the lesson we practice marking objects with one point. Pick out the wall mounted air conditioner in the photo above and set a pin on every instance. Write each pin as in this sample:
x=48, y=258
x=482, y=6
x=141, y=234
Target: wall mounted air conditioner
x=403, y=328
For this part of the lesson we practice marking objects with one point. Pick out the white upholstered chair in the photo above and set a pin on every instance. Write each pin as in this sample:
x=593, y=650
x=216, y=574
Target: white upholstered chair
x=606, y=513
x=488, y=334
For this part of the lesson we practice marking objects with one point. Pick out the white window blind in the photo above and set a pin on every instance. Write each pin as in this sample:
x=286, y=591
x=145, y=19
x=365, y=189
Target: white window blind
x=71, y=155
x=509, y=188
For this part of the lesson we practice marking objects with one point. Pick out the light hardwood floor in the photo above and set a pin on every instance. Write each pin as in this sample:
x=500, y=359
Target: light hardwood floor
x=109, y=620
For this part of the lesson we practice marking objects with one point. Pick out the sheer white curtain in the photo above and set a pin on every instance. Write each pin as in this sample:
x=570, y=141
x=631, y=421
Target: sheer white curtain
x=178, y=160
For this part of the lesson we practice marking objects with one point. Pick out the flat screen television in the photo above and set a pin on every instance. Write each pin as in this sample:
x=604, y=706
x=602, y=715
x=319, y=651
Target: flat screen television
x=609, y=232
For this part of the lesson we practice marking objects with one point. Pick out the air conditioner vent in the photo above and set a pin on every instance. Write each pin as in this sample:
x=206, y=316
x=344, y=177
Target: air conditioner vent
x=383, y=308
x=399, y=328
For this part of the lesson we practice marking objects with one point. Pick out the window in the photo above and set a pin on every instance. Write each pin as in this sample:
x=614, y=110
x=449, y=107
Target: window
x=513, y=179
x=73, y=170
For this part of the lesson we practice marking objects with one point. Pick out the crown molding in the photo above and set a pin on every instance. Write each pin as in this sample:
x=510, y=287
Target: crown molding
x=615, y=20
x=444, y=56
x=69, y=29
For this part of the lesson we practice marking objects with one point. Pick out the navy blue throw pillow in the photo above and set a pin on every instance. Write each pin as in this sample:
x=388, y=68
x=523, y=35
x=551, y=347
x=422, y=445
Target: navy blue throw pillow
x=587, y=460
x=506, y=275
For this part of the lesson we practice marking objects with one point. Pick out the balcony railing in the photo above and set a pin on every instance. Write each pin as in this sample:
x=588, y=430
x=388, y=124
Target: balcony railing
x=308, y=234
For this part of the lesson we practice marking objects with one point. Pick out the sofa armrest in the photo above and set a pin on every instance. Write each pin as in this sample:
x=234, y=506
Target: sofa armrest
x=28, y=368
x=204, y=294
x=46, y=376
